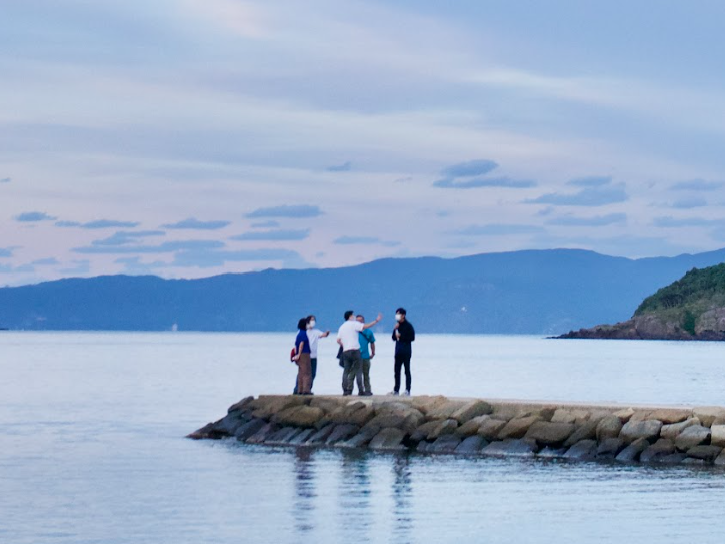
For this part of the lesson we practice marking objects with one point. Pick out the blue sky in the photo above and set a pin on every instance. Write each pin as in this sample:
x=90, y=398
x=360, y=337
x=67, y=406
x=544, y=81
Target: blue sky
x=187, y=138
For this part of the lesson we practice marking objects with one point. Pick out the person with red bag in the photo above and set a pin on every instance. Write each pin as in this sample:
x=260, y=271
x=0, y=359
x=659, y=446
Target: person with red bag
x=303, y=360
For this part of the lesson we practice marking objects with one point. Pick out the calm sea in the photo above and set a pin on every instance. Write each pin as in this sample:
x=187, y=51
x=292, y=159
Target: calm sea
x=92, y=447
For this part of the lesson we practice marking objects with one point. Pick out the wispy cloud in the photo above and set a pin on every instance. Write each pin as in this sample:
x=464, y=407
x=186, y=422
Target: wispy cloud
x=6, y=251
x=590, y=181
x=476, y=167
x=689, y=203
x=206, y=258
x=271, y=224
x=589, y=196
x=290, y=211
x=273, y=235
x=484, y=182
x=166, y=247
x=48, y=261
x=364, y=240
x=676, y=222
x=344, y=167
x=596, y=221
x=194, y=224
x=497, y=229
x=697, y=185
x=31, y=217
x=127, y=237
x=99, y=224
x=5, y=180
x=81, y=267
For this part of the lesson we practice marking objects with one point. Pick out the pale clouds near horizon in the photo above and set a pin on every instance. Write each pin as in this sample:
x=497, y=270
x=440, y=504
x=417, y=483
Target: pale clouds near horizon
x=187, y=138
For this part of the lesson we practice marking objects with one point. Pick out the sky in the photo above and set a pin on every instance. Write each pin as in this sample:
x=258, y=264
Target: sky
x=190, y=138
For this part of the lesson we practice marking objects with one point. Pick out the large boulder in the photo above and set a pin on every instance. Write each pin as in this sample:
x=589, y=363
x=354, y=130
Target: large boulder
x=445, y=444
x=303, y=436
x=668, y=416
x=445, y=410
x=472, y=410
x=262, y=434
x=240, y=405
x=570, y=415
x=390, y=438
x=662, y=448
x=518, y=427
x=631, y=453
x=422, y=431
x=266, y=406
x=299, y=416
x=282, y=437
x=582, y=451
x=321, y=435
x=585, y=431
x=511, y=448
x=717, y=435
x=695, y=435
x=249, y=429
x=706, y=453
x=490, y=428
x=360, y=439
x=426, y=403
x=633, y=430
x=609, y=427
x=447, y=426
x=549, y=434
x=671, y=431
x=609, y=448
x=708, y=414
x=341, y=432
x=624, y=415
x=470, y=427
x=471, y=445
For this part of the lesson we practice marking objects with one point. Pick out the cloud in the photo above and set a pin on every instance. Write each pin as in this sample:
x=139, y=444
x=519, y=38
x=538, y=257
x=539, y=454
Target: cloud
x=590, y=181
x=596, y=221
x=291, y=211
x=477, y=167
x=364, y=240
x=194, y=223
x=6, y=251
x=689, y=203
x=133, y=266
x=344, y=167
x=5, y=180
x=669, y=221
x=122, y=237
x=166, y=247
x=265, y=224
x=589, y=196
x=204, y=258
x=497, y=229
x=81, y=268
x=273, y=235
x=484, y=182
x=45, y=262
x=30, y=217
x=697, y=185
x=98, y=224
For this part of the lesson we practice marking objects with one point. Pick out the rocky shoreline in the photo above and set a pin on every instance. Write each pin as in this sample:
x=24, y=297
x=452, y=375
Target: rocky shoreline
x=475, y=427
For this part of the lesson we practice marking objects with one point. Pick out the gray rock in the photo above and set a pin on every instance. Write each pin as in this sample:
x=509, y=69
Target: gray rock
x=662, y=448
x=609, y=427
x=471, y=445
x=582, y=451
x=671, y=459
x=631, y=453
x=517, y=428
x=670, y=416
x=356, y=413
x=445, y=444
x=624, y=415
x=406, y=423
x=552, y=453
x=341, y=432
x=471, y=410
x=706, y=453
x=708, y=414
x=671, y=431
x=298, y=416
x=359, y=440
x=282, y=437
x=490, y=428
x=691, y=437
x=302, y=437
x=262, y=434
x=586, y=431
x=422, y=431
x=320, y=436
x=249, y=429
x=265, y=406
x=511, y=448
x=634, y=430
x=423, y=446
x=470, y=427
x=445, y=409
x=240, y=405
x=444, y=427
x=562, y=415
x=693, y=461
x=388, y=439
x=720, y=460
x=609, y=448
x=549, y=434
x=717, y=435
x=229, y=424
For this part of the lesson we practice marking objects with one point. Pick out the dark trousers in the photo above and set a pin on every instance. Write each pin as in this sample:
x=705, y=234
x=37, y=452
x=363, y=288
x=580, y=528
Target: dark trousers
x=314, y=373
x=400, y=360
x=352, y=371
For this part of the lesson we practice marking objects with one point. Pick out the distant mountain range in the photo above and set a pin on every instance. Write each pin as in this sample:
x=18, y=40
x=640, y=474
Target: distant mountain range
x=520, y=292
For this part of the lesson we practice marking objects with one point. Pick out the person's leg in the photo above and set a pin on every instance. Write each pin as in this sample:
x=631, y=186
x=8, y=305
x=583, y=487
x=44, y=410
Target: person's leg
x=408, y=377
x=298, y=387
x=359, y=374
x=366, y=376
x=348, y=376
x=313, y=363
x=398, y=363
x=306, y=372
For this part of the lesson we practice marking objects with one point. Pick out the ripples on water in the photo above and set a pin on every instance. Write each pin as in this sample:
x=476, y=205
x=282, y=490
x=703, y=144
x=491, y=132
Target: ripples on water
x=91, y=447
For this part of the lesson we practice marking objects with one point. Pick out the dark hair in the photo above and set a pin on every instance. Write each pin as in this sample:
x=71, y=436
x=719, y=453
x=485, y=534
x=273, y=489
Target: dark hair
x=310, y=318
x=400, y=311
x=361, y=316
x=348, y=314
x=302, y=324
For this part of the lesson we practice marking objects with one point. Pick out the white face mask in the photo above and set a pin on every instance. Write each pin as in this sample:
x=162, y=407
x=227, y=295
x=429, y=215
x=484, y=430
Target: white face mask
x=398, y=317
x=311, y=325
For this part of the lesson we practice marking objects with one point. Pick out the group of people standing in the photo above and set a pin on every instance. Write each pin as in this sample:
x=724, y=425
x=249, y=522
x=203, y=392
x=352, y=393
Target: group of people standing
x=357, y=349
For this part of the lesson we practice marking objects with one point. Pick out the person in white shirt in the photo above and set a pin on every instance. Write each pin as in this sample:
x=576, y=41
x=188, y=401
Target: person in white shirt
x=347, y=337
x=313, y=336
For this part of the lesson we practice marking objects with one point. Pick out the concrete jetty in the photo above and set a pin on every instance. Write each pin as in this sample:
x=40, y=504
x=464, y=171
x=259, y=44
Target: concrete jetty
x=480, y=427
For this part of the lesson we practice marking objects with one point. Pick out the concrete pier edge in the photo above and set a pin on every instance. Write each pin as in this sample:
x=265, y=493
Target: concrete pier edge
x=575, y=431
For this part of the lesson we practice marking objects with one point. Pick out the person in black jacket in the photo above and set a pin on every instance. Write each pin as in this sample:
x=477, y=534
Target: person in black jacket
x=403, y=336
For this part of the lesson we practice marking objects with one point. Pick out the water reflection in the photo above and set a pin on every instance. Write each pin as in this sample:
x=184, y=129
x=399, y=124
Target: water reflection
x=354, y=490
x=305, y=495
x=402, y=492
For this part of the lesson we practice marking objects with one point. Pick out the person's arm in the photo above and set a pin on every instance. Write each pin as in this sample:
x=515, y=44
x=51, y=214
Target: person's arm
x=372, y=350
x=299, y=350
x=373, y=323
x=325, y=334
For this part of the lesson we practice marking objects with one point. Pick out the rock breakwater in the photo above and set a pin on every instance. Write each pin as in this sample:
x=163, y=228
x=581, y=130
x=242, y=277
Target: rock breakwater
x=475, y=427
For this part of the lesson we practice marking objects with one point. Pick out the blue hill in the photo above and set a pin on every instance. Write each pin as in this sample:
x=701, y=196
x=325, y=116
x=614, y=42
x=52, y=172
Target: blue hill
x=521, y=292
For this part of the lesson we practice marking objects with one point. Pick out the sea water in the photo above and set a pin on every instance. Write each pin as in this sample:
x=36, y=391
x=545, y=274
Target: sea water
x=92, y=446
